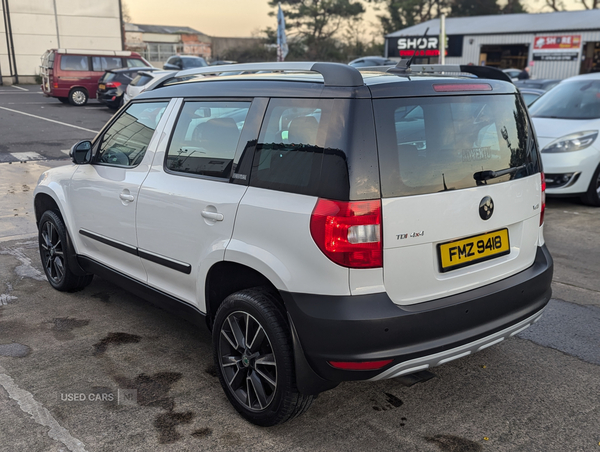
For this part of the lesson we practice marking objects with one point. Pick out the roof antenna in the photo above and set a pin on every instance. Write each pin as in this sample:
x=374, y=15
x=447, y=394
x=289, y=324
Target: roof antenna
x=415, y=52
x=402, y=65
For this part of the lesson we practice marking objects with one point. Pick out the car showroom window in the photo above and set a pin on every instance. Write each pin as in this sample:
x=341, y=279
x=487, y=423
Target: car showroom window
x=74, y=63
x=206, y=137
x=106, y=63
x=126, y=140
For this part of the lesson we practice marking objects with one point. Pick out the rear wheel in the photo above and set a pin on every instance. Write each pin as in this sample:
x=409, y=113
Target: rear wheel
x=54, y=253
x=254, y=358
x=78, y=97
x=592, y=197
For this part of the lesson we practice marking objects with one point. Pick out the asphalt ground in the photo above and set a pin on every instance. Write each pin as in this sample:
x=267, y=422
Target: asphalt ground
x=149, y=383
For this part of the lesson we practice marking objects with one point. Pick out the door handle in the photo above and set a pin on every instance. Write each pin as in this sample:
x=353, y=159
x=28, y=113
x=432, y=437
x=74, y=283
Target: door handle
x=212, y=215
x=125, y=197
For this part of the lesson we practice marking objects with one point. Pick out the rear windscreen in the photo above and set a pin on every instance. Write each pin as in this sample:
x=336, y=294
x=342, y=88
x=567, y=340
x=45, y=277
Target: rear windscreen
x=140, y=80
x=433, y=144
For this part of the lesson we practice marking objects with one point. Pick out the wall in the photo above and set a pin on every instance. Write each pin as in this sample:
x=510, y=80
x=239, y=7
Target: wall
x=38, y=25
x=541, y=69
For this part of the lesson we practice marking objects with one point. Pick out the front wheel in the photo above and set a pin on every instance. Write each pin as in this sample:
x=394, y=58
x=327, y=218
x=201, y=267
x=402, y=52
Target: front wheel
x=592, y=197
x=254, y=358
x=78, y=97
x=54, y=253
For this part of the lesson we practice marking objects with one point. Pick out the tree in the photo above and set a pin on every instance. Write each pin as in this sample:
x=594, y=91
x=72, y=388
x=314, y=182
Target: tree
x=405, y=13
x=125, y=14
x=514, y=7
x=317, y=22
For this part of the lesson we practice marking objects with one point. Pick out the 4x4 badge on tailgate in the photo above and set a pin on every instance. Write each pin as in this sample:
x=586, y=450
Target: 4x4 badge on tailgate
x=486, y=208
x=411, y=235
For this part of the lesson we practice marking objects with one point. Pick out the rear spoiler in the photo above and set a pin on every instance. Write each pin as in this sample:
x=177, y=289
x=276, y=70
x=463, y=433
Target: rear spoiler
x=479, y=71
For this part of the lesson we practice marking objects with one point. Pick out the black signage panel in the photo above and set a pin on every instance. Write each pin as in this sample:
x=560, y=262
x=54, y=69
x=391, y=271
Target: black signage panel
x=555, y=56
x=406, y=46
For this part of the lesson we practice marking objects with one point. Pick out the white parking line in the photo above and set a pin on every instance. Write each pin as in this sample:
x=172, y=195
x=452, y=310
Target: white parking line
x=18, y=87
x=49, y=120
x=39, y=413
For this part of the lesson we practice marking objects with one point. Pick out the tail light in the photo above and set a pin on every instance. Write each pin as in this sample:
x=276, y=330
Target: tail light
x=349, y=233
x=113, y=84
x=543, y=199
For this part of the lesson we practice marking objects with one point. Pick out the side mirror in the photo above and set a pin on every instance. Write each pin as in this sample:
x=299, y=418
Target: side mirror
x=81, y=152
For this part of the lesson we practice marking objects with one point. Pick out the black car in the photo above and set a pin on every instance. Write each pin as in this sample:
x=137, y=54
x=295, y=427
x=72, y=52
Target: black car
x=113, y=83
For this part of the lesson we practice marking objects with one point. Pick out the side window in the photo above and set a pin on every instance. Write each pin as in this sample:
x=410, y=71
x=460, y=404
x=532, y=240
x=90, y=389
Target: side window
x=74, y=63
x=106, y=63
x=206, y=137
x=126, y=140
x=291, y=145
x=135, y=62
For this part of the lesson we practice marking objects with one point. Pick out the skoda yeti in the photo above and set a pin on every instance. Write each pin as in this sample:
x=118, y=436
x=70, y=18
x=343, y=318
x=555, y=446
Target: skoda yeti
x=327, y=224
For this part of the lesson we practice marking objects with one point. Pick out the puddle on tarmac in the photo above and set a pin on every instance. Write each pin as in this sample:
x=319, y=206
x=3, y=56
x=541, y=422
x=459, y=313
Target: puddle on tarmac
x=451, y=443
x=115, y=339
x=14, y=350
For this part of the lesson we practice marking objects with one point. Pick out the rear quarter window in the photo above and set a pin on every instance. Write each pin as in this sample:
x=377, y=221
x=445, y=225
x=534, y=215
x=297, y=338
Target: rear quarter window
x=428, y=145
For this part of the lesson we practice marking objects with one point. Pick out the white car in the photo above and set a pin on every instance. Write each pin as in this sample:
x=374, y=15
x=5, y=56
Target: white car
x=327, y=227
x=567, y=122
x=145, y=81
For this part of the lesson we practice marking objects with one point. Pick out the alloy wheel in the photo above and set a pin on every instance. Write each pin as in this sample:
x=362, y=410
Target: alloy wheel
x=53, y=253
x=247, y=361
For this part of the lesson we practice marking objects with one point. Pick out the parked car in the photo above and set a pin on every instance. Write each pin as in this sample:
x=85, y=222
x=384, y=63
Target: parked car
x=372, y=61
x=112, y=85
x=543, y=84
x=567, y=120
x=72, y=75
x=530, y=95
x=146, y=81
x=181, y=62
x=356, y=227
x=512, y=73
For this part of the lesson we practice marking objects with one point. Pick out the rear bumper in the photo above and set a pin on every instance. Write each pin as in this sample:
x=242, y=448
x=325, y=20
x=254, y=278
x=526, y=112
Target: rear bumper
x=372, y=328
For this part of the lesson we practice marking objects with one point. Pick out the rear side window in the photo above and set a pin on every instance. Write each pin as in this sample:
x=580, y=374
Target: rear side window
x=106, y=63
x=301, y=148
x=140, y=80
x=205, y=138
x=74, y=63
x=134, y=62
x=428, y=145
x=125, y=142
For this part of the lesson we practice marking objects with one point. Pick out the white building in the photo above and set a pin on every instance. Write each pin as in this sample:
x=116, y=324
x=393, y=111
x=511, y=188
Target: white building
x=554, y=45
x=30, y=27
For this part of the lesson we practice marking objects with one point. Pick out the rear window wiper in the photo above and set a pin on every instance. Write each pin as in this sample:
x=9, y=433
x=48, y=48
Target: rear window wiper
x=489, y=174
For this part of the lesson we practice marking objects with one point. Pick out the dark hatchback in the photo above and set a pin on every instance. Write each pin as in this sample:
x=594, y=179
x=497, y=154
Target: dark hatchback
x=113, y=83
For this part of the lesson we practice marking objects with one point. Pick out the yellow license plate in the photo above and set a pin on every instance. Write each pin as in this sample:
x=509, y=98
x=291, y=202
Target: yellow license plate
x=460, y=253
x=101, y=86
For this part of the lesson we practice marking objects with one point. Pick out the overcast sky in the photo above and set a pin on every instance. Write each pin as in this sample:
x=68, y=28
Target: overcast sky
x=241, y=17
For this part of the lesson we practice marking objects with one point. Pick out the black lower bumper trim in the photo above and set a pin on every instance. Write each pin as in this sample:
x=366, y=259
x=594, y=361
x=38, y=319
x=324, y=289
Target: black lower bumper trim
x=371, y=327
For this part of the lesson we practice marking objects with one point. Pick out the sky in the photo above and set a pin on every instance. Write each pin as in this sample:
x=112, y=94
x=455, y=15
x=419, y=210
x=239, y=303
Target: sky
x=243, y=18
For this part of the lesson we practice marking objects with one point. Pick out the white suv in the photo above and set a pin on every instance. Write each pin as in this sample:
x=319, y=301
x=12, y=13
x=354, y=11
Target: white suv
x=328, y=226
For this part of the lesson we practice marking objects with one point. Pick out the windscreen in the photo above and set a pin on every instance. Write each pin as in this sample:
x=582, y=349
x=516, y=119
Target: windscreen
x=570, y=100
x=434, y=144
x=140, y=80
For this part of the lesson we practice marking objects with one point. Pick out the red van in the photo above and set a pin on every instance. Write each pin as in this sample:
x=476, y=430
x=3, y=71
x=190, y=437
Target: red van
x=72, y=75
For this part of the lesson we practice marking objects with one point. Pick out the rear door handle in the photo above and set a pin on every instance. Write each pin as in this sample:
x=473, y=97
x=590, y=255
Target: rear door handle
x=216, y=216
x=125, y=197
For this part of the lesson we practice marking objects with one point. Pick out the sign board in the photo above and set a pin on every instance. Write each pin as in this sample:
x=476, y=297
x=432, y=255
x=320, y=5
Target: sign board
x=556, y=56
x=553, y=43
x=427, y=46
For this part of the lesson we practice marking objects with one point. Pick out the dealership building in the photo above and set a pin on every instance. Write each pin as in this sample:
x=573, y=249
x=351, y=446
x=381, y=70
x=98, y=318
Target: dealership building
x=554, y=45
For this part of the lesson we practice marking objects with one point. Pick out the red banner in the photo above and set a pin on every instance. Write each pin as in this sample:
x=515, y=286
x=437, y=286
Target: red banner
x=556, y=42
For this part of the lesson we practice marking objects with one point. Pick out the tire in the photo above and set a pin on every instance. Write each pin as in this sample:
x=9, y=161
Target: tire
x=55, y=254
x=78, y=97
x=259, y=379
x=592, y=197
x=64, y=100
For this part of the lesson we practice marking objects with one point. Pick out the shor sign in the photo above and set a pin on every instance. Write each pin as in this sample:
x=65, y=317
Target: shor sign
x=424, y=46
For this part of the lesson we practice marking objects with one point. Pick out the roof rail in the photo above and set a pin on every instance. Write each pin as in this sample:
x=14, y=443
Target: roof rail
x=334, y=74
x=479, y=71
